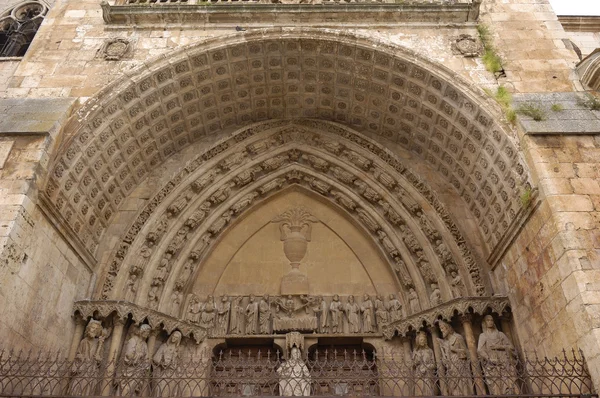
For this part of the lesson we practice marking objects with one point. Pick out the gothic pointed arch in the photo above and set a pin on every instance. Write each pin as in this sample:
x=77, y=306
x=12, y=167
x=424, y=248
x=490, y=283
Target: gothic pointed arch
x=385, y=92
x=163, y=250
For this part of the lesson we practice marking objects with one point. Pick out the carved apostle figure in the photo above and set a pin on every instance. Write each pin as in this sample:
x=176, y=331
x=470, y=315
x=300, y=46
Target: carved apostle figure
x=413, y=301
x=424, y=366
x=435, y=298
x=237, y=316
x=208, y=315
x=381, y=313
x=498, y=357
x=165, y=369
x=251, y=316
x=394, y=308
x=366, y=309
x=352, y=310
x=223, y=309
x=320, y=311
x=294, y=376
x=194, y=310
x=134, y=363
x=86, y=365
x=176, y=299
x=455, y=360
x=457, y=286
x=264, y=317
x=336, y=324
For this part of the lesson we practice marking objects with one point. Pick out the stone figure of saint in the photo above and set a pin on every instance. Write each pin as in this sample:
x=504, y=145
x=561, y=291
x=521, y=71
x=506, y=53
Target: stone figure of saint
x=435, y=298
x=134, y=362
x=455, y=360
x=352, y=310
x=320, y=311
x=413, y=301
x=251, y=316
x=85, y=369
x=366, y=309
x=237, y=317
x=424, y=366
x=294, y=376
x=264, y=317
x=394, y=308
x=165, y=369
x=208, y=315
x=290, y=306
x=498, y=358
x=176, y=299
x=381, y=313
x=456, y=285
x=336, y=324
x=223, y=309
x=194, y=310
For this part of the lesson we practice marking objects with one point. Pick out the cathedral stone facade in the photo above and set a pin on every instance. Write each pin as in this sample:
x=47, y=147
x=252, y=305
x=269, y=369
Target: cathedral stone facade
x=187, y=177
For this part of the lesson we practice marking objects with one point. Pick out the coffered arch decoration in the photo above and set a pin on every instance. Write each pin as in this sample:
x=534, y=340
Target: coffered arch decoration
x=158, y=257
x=194, y=94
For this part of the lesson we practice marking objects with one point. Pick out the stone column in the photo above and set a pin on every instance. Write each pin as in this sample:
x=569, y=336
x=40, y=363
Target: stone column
x=472, y=346
x=113, y=353
x=437, y=351
x=77, y=336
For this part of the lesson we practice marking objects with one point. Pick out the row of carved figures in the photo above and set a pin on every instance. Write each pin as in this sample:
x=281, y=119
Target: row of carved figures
x=496, y=354
x=248, y=315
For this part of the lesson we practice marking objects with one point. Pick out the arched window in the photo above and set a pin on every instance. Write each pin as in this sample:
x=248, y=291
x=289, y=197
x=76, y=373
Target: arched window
x=18, y=26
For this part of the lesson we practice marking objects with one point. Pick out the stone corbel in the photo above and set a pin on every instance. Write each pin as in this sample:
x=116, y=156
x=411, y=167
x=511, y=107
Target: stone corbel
x=156, y=319
x=460, y=306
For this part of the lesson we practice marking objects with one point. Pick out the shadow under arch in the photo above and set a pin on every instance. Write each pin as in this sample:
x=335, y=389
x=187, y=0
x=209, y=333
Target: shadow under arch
x=381, y=90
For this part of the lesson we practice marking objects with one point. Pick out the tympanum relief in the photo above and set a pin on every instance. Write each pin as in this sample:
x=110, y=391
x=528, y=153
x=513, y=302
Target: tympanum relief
x=269, y=315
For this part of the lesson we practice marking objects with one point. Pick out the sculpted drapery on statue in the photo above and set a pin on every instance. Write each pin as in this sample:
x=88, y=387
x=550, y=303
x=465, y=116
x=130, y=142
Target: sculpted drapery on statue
x=165, y=367
x=86, y=365
x=498, y=357
x=455, y=360
x=424, y=366
x=134, y=362
x=294, y=376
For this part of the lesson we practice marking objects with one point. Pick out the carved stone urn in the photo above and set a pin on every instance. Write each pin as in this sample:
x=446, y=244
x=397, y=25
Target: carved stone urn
x=295, y=227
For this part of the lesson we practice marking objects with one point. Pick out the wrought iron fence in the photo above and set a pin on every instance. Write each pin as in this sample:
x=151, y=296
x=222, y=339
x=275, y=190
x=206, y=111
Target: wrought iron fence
x=327, y=373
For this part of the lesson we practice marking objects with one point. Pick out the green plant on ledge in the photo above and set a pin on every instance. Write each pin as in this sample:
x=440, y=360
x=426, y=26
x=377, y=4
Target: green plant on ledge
x=504, y=98
x=526, y=197
x=532, y=110
x=491, y=60
x=590, y=101
x=557, y=108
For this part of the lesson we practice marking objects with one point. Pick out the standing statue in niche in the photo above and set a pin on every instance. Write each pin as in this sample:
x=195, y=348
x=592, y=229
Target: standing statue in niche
x=424, y=366
x=223, y=309
x=336, y=324
x=251, y=316
x=366, y=309
x=264, y=317
x=134, y=363
x=194, y=310
x=352, y=310
x=165, y=369
x=381, y=313
x=455, y=360
x=498, y=357
x=413, y=300
x=86, y=365
x=394, y=308
x=294, y=376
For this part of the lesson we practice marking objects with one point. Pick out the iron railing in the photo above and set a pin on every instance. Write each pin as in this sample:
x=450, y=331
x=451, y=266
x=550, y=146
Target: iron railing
x=323, y=373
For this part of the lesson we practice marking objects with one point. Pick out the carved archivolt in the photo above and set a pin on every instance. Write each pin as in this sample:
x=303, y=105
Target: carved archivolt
x=166, y=244
x=138, y=122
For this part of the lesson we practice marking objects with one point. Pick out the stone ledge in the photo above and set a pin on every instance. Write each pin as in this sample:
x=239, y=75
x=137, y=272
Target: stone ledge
x=32, y=116
x=574, y=118
x=257, y=15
